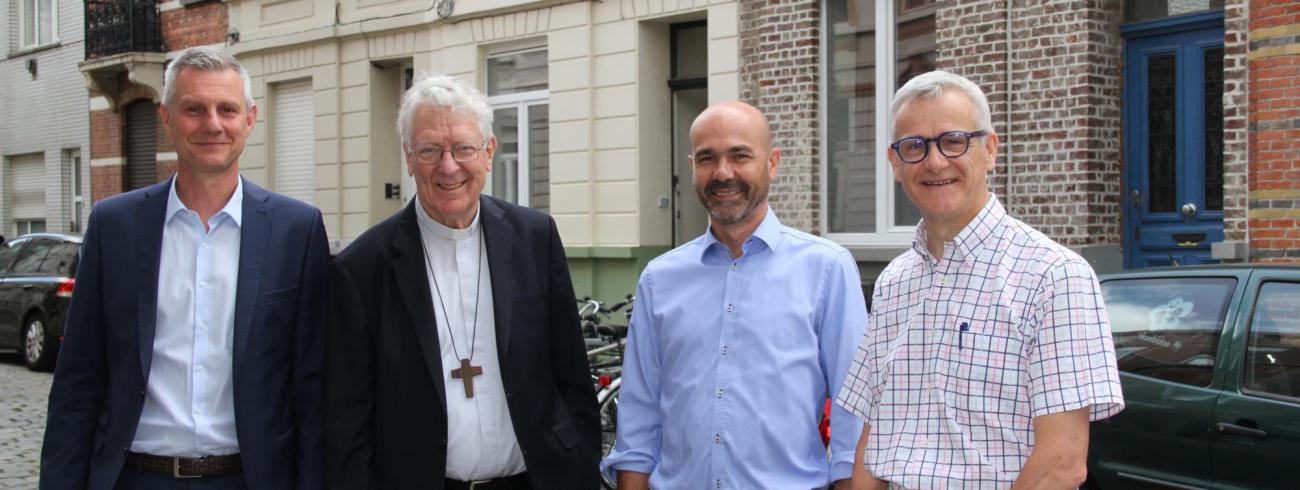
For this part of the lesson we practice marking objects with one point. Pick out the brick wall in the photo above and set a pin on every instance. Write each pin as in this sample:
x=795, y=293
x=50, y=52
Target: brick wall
x=779, y=66
x=200, y=24
x=1060, y=168
x=1235, y=108
x=106, y=181
x=1274, y=123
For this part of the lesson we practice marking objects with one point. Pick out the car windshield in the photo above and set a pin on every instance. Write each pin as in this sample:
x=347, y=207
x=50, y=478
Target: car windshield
x=1168, y=328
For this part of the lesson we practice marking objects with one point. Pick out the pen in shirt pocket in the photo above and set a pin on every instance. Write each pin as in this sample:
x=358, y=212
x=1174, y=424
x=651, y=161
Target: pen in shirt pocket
x=961, y=334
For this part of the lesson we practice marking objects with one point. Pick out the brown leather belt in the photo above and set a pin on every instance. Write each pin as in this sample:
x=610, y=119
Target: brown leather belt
x=512, y=482
x=178, y=467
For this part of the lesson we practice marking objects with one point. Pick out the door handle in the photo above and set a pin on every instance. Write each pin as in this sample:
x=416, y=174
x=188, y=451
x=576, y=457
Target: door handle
x=1237, y=430
x=1137, y=198
x=1189, y=209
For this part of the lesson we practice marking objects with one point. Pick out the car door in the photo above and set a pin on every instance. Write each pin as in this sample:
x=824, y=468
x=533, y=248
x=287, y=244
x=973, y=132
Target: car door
x=1256, y=436
x=1167, y=333
x=9, y=320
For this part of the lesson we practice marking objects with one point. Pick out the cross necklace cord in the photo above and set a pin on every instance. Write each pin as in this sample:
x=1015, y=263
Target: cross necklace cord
x=467, y=371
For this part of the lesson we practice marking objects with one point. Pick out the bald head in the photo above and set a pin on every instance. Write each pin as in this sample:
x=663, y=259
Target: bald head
x=736, y=114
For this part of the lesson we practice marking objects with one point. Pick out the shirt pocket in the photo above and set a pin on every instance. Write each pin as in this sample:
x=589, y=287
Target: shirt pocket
x=983, y=363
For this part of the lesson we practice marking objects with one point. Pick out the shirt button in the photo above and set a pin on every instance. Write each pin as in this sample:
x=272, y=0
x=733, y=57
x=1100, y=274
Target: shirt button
x=203, y=284
x=729, y=308
x=717, y=438
x=724, y=350
x=719, y=392
x=733, y=266
x=717, y=483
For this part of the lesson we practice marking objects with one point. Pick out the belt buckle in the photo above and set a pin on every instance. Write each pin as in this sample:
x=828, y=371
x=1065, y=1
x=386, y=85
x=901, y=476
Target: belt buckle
x=176, y=470
x=479, y=484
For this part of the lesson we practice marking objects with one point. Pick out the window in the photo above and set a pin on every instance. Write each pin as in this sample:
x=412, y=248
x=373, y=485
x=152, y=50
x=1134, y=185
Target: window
x=40, y=22
x=61, y=260
x=77, y=198
x=863, y=204
x=1168, y=328
x=293, y=128
x=1273, y=351
x=8, y=251
x=25, y=226
x=30, y=260
x=517, y=91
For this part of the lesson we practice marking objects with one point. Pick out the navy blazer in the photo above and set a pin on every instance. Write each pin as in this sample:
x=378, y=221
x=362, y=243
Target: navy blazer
x=385, y=400
x=103, y=367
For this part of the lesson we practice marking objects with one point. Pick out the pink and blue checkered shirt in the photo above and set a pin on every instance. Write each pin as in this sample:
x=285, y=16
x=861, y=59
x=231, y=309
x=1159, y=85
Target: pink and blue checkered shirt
x=962, y=353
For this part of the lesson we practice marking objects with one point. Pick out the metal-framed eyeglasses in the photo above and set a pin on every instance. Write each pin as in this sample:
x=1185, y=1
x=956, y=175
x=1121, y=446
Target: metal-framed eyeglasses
x=951, y=144
x=430, y=155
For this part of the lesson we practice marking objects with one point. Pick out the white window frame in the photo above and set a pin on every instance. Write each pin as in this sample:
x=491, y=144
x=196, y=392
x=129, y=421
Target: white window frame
x=522, y=101
x=888, y=234
x=35, y=28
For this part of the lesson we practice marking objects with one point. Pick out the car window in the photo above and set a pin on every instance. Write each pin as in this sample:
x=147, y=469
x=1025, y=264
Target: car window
x=30, y=259
x=9, y=250
x=61, y=260
x=1168, y=328
x=1273, y=349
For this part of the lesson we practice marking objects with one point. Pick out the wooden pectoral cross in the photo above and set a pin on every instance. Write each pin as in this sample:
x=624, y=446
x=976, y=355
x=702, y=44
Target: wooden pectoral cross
x=466, y=374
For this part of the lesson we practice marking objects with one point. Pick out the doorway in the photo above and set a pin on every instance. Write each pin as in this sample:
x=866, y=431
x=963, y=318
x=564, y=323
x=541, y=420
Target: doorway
x=689, y=86
x=1173, y=140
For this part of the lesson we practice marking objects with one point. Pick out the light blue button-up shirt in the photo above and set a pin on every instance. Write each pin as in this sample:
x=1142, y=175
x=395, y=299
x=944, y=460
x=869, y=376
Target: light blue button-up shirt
x=189, y=409
x=729, y=363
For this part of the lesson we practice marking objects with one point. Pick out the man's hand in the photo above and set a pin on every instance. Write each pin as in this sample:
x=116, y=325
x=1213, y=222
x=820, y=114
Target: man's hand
x=1060, y=455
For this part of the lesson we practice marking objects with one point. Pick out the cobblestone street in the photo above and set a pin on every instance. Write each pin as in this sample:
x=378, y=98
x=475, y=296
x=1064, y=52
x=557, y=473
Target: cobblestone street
x=22, y=422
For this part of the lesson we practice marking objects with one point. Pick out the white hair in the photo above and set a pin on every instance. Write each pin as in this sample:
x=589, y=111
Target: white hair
x=204, y=58
x=445, y=92
x=931, y=85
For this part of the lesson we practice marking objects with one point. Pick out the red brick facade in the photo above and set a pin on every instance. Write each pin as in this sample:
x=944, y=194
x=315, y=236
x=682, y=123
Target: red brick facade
x=1060, y=167
x=779, y=56
x=195, y=25
x=1274, y=129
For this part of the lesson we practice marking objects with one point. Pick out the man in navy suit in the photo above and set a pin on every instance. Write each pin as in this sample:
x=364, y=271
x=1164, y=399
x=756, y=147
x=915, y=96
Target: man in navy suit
x=194, y=343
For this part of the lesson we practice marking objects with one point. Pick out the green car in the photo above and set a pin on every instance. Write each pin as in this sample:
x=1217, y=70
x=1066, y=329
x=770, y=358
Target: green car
x=1209, y=358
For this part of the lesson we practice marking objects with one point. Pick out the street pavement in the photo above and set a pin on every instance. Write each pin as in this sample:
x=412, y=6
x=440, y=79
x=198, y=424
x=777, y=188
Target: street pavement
x=23, y=396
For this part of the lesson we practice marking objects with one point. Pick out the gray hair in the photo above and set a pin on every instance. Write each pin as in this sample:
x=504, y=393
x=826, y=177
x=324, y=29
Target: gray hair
x=204, y=58
x=931, y=85
x=445, y=92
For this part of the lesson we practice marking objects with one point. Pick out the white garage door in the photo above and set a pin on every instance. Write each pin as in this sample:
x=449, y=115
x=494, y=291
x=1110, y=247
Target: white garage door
x=295, y=141
x=27, y=190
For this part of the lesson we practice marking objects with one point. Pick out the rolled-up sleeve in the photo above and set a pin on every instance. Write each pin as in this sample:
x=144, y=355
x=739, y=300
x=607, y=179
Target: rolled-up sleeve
x=640, y=419
x=844, y=320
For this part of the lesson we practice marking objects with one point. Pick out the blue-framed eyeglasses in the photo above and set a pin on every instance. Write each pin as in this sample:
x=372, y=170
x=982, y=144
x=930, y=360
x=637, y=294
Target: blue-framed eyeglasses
x=951, y=144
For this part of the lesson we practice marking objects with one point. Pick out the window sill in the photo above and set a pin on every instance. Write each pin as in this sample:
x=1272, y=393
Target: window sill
x=35, y=49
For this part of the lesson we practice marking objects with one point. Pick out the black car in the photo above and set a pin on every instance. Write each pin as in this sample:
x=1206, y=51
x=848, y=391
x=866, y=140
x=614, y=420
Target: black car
x=37, y=274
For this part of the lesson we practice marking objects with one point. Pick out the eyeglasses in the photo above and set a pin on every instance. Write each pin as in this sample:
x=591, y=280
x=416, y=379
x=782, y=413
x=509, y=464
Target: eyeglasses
x=951, y=144
x=430, y=155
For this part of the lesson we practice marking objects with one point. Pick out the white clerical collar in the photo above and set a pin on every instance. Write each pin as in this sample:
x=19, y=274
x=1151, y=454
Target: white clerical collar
x=429, y=225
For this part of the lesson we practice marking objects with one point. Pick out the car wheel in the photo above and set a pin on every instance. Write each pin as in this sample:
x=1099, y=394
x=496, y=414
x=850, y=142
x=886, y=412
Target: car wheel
x=39, y=347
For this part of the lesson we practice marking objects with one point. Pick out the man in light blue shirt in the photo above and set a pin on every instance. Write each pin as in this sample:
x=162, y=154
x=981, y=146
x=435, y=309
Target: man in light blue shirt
x=739, y=336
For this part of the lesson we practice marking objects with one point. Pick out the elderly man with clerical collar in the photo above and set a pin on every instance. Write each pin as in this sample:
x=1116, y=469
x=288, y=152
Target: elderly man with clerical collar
x=193, y=347
x=454, y=357
x=990, y=349
x=739, y=336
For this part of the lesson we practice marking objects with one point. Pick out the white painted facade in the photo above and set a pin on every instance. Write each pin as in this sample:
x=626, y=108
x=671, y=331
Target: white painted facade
x=43, y=117
x=609, y=102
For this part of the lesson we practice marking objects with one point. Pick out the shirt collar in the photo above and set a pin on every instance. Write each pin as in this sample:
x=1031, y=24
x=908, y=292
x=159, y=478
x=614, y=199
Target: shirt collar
x=971, y=238
x=234, y=208
x=767, y=233
x=429, y=225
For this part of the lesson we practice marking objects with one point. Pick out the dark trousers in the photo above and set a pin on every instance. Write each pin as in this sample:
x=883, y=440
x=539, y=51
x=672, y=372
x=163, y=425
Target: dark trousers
x=133, y=478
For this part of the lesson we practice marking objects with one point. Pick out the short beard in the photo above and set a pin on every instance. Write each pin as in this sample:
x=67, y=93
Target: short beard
x=730, y=213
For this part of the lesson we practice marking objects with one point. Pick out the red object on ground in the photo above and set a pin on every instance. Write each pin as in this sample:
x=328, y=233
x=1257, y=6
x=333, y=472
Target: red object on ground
x=825, y=426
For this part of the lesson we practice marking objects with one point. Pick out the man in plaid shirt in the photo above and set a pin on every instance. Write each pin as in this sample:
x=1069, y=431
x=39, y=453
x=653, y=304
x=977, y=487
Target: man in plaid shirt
x=990, y=348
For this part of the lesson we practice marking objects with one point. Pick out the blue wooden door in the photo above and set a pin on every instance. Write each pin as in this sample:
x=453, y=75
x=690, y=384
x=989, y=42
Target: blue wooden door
x=1173, y=140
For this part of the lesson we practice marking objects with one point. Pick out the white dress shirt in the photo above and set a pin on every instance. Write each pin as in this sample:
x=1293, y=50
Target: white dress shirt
x=189, y=407
x=481, y=442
